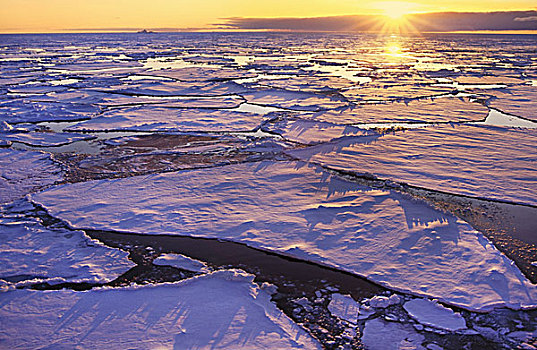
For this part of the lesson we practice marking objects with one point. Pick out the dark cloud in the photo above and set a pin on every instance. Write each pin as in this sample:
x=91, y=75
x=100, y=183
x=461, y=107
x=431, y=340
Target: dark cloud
x=438, y=22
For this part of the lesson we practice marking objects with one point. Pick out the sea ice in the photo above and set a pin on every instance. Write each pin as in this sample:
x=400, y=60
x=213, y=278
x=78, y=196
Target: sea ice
x=488, y=79
x=306, y=83
x=439, y=110
x=344, y=307
x=382, y=335
x=175, y=88
x=223, y=310
x=298, y=101
x=302, y=211
x=30, y=252
x=44, y=139
x=391, y=92
x=479, y=161
x=518, y=100
x=311, y=132
x=22, y=111
x=181, y=262
x=153, y=118
x=430, y=313
x=22, y=172
x=202, y=74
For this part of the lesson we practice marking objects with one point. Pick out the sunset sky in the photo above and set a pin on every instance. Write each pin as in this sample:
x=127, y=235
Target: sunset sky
x=86, y=15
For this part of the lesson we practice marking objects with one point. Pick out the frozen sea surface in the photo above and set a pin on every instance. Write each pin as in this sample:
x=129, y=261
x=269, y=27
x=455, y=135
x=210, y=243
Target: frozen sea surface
x=32, y=253
x=302, y=211
x=23, y=172
x=223, y=310
x=479, y=161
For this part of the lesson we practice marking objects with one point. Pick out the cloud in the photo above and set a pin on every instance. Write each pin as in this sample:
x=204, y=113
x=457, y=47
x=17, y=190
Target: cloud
x=437, y=22
x=526, y=19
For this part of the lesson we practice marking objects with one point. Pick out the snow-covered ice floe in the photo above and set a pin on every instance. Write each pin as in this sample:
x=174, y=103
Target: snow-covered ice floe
x=418, y=111
x=479, y=161
x=298, y=101
x=22, y=172
x=311, y=132
x=223, y=310
x=430, y=313
x=32, y=253
x=175, y=88
x=383, y=335
x=379, y=92
x=24, y=111
x=43, y=139
x=302, y=211
x=344, y=307
x=152, y=118
x=181, y=262
x=518, y=100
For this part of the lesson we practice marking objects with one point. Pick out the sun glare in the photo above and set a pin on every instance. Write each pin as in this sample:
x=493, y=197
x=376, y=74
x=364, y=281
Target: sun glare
x=395, y=10
x=394, y=19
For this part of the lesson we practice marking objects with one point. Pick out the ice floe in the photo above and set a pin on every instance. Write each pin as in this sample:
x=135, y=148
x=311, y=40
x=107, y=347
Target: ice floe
x=432, y=111
x=381, y=335
x=181, y=262
x=21, y=111
x=479, y=161
x=518, y=100
x=175, y=88
x=430, y=313
x=153, y=118
x=202, y=74
x=223, y=310
x=302, y=211
x=344, y=307
x=298, y=101
x=390, y=92
x=43, y=139
x=307, y=83
x=22, y=172
x=31, y=253
x=311, y=132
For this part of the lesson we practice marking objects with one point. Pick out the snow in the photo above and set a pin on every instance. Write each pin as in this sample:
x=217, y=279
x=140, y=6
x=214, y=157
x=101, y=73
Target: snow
x=311, y=132
x=344, y=307
x=302, y=211
x=382, y=302
x=518, y=100
x=152, y=118
x=175, y=88
x=385, y=92
x=309, y=83
x=202, y=74
x=32, y=253
x=446, y=109
x=431, y=313
x=22, y=172
x=478, y=161
x=23, y=111
x=497, y=118
x=298, y=101
x=382, y=335
x=181, y=262
x=223, y=310
x=44, y=139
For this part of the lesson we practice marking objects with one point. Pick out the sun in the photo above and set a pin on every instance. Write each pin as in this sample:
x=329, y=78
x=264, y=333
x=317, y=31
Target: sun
x=395, y=10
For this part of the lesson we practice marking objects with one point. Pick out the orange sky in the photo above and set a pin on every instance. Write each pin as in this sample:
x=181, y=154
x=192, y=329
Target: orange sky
x=26, y=16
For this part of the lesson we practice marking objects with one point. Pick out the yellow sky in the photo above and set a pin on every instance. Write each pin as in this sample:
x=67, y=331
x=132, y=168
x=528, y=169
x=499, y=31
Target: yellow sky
x=80, y=15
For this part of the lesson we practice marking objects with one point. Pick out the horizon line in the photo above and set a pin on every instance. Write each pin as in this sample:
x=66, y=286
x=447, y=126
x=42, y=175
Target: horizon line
x=233, y=25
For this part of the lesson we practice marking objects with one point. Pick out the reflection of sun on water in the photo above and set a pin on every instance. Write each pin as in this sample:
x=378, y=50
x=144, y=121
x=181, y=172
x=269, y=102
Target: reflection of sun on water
x=393, y=49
